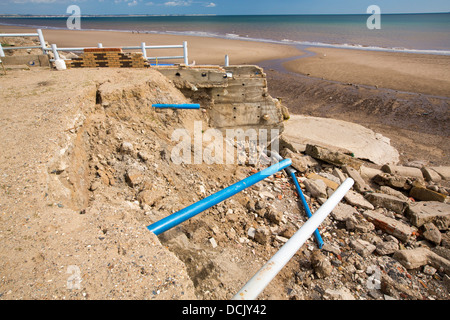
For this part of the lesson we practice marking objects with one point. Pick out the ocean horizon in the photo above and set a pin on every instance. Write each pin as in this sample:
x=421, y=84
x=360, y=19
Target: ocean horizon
x=414, y=33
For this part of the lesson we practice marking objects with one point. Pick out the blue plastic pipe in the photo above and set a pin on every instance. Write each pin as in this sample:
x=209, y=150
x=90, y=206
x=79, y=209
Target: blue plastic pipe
x=305, y=205
x=291, y=171
x=200, y=206
x=176, y=106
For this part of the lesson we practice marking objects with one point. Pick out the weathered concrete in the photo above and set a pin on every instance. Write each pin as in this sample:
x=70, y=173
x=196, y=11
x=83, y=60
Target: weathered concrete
x=396, y=228
x=429, y=211
x=424, y=194
x=334, y=157
x=385, y=179
x=418, y=257
x=235, y=96
x=387, y=201
x=356, y=199
x=431, y=175
x=31, y=60
x=360, y=185
x=410, y=172
x=337, y=134
x=444, y=172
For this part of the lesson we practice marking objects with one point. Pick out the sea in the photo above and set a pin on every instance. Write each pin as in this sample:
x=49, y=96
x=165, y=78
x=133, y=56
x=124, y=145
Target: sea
x=414, y=33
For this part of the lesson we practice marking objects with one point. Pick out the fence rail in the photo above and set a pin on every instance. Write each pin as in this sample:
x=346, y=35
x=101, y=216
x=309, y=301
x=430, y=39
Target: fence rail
x=54, y=48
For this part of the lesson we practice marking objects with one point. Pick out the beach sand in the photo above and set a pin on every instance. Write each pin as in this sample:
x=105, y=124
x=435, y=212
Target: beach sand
x=427, y=74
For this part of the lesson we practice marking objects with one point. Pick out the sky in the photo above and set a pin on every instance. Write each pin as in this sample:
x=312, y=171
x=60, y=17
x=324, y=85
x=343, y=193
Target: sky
x=221, y=7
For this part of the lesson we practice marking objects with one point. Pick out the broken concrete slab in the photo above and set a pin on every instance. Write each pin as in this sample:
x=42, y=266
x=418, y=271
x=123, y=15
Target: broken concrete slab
x=418, y=257
x=337, y=134
x=431, y=175
x=387, y=201
x=409, y=172
x=356, y=199
x=316, y=187
x=360, y=185
x=329, y=183
x=333, y=157
x=363, y=247
x=429, y=211
x=343, y=211
x=393, y=192
x=394, y=227
x=444, y=172
x=368, y=173
x=424, y=194
x=432, y=233
x=300, y=162
x=386, y=179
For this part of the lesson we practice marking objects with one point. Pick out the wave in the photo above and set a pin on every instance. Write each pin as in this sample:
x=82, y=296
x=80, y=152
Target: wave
x=233, y=36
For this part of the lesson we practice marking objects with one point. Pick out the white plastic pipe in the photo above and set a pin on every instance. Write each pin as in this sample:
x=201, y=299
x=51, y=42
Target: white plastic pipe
x=262, y=278
x=185, y=53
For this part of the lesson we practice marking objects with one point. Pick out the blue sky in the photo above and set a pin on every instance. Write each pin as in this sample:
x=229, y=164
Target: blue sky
x=222, y=7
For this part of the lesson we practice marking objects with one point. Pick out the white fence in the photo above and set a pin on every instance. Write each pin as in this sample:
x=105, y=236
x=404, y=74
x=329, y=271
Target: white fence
x=54, y=48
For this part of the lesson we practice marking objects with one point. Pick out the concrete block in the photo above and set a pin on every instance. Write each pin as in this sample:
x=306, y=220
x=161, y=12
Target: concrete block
x=424, y=194
x=356, y=199
x=362, y=247
x=368, y=173
x=360, y=185
x=418, y=257
x=410, y=172
x=431, y=175
x=444, y=172
x=391, y=226
x=387, y=201
x=335, y=158
x=429, y=211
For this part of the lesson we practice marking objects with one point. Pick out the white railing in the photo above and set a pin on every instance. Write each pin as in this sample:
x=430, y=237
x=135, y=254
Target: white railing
x=38, y=34
x=54, y=48
x=143, y=47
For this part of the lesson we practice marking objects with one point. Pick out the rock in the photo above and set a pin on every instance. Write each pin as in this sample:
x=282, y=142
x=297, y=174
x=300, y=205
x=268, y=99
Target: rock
x=251, y=233
x=339, y=174
x=134, y=177
x=356, y=199
x=409, y=172
x=274, y=216
x=343, y=211
x=429, y=270
x=127, y=147
x=266, y=194
x=385, y=179
x=429, y=211
x=444, y=172
x=369, y=173
x=321, y=265
x=262, y=235
x=338, y=294
x=331, y=248
x=213, y=242
x=431, y=233
x=150, y=196
x=360, y=185
x=424, y=194
x=387, y=247
x=316, y=187
x=334, y=157
x=391, y=226
x=329, y=183
x=431, y=175
x=301, y=162
x=393, y=192
x=145, y=156
x=418, y=257
x=362, y=247
x=387, y=201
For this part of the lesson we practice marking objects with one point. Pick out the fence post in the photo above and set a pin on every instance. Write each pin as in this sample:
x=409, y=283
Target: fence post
x=55, y=51
x=2, y=53
x=42, y=41
x=100, y=45
x=144, y=50
x=185, y=53
x=227, y=61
